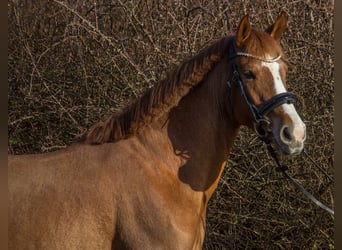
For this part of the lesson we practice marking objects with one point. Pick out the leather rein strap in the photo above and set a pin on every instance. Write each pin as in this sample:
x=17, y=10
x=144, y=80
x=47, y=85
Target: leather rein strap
x=259, y=117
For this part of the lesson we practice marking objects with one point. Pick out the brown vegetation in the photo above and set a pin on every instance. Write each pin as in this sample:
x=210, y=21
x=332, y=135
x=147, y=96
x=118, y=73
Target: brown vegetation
x=72, y=63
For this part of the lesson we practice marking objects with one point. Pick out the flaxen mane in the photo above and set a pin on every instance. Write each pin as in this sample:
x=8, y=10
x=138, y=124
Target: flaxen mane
x=157, y=100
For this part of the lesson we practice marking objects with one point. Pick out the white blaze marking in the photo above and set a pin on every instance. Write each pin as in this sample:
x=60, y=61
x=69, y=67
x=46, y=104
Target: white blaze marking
x=298, y=125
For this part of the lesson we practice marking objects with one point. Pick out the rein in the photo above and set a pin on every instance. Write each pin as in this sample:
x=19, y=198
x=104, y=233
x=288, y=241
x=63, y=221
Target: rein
x=258, y=117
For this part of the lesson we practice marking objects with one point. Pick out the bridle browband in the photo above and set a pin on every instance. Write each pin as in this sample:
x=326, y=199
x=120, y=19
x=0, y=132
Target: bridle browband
x=239, y=53
x=259, y=118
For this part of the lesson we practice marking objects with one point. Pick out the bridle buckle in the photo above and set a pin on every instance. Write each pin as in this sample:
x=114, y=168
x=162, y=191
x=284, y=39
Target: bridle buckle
x=259, y=128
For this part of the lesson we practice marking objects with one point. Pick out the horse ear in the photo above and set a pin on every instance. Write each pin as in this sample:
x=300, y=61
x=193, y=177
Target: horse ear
x=276, y=30
x=243, y=31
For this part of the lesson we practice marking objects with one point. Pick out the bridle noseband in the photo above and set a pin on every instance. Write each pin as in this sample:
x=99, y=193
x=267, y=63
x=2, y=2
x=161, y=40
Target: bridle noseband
x=258, y=114
x=259, y=118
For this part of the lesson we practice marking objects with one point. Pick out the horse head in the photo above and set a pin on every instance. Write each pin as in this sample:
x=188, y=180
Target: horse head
x=258, y=86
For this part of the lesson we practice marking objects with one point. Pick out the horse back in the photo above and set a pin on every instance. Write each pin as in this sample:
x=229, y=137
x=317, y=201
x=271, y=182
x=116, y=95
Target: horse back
x=53, y=200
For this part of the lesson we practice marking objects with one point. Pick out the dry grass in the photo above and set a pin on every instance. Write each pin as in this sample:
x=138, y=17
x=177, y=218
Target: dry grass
x=72, y=63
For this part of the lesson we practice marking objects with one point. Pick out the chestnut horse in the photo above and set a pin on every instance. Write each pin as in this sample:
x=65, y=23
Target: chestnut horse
x=142, y=178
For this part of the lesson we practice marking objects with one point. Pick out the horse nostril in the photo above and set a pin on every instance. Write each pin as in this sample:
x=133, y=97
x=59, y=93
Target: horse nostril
x=286, y=135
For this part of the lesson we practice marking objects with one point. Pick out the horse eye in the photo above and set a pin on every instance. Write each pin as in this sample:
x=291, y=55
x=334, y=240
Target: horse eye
x=249, y=75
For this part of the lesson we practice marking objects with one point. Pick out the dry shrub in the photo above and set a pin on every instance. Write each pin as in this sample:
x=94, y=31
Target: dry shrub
x=72, y=63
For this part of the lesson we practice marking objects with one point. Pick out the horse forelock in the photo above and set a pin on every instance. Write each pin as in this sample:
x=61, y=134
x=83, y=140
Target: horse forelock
x=262, y=45
x=159, y=99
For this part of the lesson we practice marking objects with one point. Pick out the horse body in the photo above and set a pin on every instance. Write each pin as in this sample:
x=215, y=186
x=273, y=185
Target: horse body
x=147, y=182
x=93, y=195
x=129, y=191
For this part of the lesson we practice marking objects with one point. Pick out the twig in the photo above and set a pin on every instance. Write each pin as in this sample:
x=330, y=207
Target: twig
x=106, y=38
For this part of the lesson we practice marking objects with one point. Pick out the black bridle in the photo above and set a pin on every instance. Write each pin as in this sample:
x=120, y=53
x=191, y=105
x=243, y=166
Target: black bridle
x=258, y=114
x=259, y=118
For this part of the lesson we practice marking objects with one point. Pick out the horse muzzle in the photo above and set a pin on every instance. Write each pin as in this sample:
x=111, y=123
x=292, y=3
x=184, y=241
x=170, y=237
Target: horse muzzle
x=290, y=138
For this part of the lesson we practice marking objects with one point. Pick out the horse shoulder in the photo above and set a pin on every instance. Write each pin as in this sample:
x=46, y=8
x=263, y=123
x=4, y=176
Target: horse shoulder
x=151, y=196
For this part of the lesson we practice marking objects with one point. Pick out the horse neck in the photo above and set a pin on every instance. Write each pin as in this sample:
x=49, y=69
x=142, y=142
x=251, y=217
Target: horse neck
x=202, y=132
